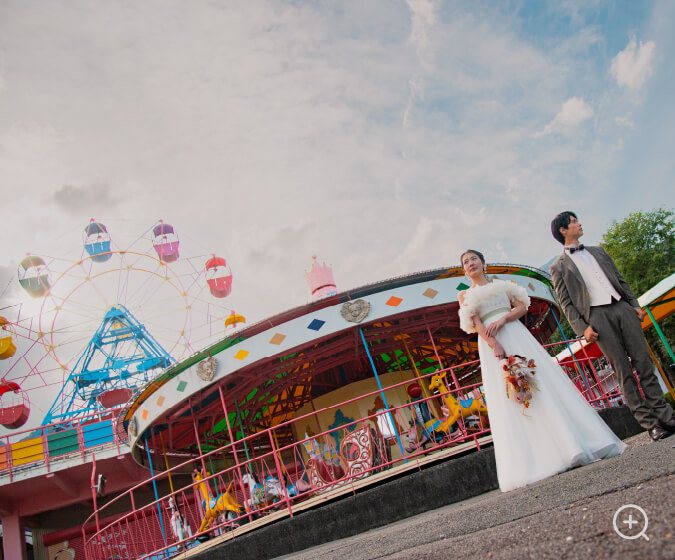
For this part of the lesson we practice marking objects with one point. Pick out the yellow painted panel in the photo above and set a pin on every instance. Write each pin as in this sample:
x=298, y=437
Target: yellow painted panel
x=27, y=451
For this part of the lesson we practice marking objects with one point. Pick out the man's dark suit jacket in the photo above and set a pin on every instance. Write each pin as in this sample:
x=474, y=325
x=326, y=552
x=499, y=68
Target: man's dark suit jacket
x=571, y=289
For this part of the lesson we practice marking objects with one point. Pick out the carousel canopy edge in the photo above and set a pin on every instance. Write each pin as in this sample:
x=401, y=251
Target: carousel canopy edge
x=217, y=362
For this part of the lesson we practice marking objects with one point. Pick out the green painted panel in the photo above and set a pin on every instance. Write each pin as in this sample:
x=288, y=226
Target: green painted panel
x=60, y=443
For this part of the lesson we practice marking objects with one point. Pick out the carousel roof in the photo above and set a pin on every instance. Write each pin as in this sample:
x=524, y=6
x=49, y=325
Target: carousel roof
x=274, y=367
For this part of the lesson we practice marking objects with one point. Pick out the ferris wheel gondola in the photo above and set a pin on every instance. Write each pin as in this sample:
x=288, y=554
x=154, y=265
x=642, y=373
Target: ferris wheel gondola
x=218, y=277
x=165, y=241
x=14, y=405
x=34, y=276
x=97, y=241
x=7, y=343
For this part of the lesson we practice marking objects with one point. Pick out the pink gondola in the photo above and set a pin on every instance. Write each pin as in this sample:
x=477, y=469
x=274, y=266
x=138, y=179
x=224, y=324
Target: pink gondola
x=218, y=277
x=165, y=241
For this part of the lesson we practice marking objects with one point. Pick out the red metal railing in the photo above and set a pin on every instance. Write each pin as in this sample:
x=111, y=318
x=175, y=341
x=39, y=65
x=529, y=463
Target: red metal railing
x=267, y=478
x=42, y=447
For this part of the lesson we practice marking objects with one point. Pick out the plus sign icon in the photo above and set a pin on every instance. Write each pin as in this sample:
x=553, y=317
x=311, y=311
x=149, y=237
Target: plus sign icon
x=630, y=522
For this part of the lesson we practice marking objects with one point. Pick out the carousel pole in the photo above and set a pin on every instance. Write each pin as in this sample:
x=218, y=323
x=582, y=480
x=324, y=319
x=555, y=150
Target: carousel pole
x=243, y=434
x=234, y=447
x=199, y=445
x=384, y=397
x=166, y=462
x=663, y=375
x=438, y=358
x=154, y=487
x=660, y=333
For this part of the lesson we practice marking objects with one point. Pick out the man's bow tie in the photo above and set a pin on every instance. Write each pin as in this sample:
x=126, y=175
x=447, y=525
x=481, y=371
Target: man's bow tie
x=572, y=250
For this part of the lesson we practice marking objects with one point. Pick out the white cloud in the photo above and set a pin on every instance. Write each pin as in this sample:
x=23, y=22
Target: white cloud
x=633, y=65
x=271, y=131
x=423, y=15
x=574, y=111
x=625, y=121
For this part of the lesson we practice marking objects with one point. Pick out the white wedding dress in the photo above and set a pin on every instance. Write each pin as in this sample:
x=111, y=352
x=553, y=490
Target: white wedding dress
x=559, y=430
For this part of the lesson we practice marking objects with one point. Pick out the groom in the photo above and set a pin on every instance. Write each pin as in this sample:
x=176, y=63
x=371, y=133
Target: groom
x=600, y=305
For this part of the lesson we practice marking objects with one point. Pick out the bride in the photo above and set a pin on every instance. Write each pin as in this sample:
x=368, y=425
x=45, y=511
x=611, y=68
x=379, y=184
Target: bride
x=556, y=429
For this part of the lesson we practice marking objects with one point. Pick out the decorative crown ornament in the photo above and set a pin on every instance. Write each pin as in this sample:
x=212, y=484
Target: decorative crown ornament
x=206, y=369
x=355, y=311
x=320, y=280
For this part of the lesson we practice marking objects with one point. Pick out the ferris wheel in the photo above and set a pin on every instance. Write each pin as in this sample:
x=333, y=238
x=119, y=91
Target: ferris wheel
x=93, y=328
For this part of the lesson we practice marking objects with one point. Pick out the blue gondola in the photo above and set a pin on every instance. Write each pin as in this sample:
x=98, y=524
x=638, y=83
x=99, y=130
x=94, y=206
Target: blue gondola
x=97, y=241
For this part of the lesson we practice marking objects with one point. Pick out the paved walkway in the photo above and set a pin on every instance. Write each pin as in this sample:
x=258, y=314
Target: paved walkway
x=567, y=516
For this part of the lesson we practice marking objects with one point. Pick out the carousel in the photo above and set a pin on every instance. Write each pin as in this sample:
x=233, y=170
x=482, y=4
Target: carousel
x=305, y=406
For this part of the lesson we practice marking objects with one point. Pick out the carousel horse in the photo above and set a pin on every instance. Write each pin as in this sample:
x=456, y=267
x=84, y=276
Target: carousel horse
x=225, y=504
x=179, y=526
x=259, y=494
x=278, y=491
x=456, y=409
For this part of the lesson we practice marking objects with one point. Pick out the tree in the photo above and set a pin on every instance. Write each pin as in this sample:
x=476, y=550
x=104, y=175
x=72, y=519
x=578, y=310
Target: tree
x=643, y=248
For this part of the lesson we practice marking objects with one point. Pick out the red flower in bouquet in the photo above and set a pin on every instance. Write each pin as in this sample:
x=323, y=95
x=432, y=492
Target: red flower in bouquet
x=518, y=377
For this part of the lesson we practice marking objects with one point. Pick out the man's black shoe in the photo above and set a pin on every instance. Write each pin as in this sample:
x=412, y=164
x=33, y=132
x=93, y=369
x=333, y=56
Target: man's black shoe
x=657, y=432
x=670, y=425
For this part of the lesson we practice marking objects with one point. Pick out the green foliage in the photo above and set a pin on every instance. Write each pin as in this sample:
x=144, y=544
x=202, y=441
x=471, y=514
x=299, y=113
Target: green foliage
x=643, y=247
x=557, y=336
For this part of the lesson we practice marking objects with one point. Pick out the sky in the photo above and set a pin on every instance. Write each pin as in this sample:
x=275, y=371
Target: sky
x=383, y=136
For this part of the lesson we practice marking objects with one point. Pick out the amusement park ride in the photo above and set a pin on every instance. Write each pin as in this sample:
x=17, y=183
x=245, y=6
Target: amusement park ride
x=91, y=331
x=204, y=432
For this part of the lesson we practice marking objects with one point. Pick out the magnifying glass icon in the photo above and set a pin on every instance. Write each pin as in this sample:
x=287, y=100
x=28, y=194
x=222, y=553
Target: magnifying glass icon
x=624, y=525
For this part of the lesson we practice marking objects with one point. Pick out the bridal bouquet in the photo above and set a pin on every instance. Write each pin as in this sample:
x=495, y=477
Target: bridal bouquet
x=519, y=379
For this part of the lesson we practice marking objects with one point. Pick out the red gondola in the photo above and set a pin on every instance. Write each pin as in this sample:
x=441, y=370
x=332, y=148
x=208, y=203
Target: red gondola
x=218, y=277
x=14, y=405
x=165, y=241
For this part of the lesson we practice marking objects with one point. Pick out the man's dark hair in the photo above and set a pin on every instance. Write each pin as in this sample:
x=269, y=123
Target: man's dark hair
x=562, y=220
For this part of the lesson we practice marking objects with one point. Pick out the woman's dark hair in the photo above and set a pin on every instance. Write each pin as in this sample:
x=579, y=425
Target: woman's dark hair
x=562, y=220
x=477, y=253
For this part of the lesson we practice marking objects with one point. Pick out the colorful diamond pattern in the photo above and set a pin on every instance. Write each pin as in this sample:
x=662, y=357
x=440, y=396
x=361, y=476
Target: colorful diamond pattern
x=394, y=301
x=277, y=339
x=144, y=415
x=160, y=401
x=241, y=354
x=316, y=324
x=462, y=286
x=430, y=293
x=181, y=386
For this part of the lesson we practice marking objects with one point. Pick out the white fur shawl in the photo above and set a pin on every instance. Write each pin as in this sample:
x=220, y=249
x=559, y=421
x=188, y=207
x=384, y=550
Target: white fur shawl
x=473, y=297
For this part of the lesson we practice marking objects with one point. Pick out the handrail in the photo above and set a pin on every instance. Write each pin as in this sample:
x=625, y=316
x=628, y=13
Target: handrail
x=39, y=447
x=112, y=533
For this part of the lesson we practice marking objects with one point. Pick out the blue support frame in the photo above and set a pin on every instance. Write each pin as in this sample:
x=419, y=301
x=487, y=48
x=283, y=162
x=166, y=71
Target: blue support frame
x=121, y=354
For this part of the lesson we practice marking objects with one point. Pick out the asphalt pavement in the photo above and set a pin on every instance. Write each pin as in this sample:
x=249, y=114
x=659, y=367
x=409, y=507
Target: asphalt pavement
x=567, y=516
